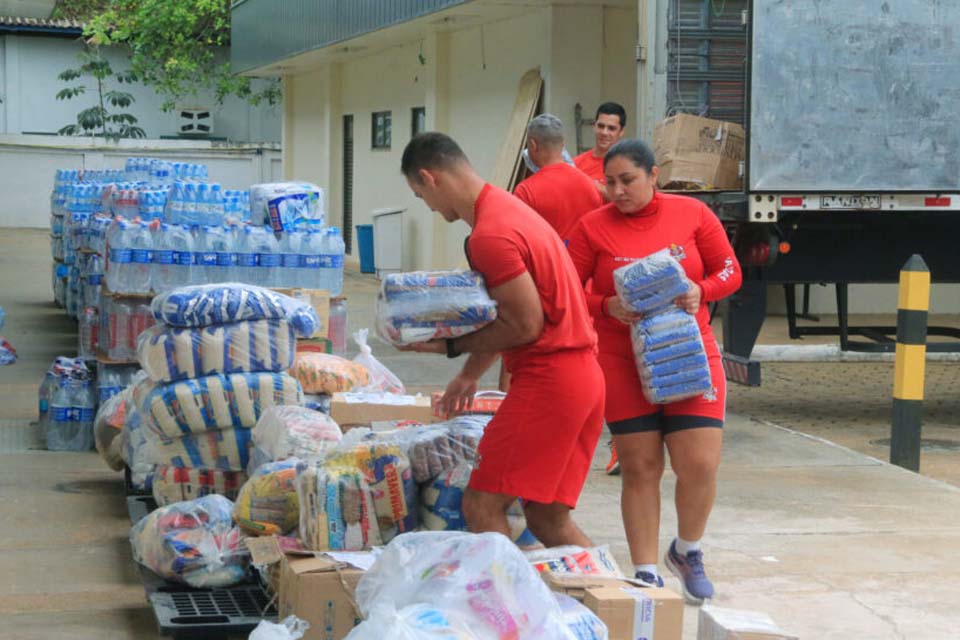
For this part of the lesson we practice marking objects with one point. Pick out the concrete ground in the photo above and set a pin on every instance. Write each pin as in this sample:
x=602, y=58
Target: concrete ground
x=831, y=543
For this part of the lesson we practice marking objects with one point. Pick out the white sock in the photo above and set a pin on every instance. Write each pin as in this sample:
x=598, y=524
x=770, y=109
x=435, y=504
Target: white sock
x=646, y=568
x=684, y=546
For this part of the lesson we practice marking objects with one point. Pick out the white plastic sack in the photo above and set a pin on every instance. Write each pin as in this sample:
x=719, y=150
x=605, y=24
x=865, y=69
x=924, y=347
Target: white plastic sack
x=289, y=431
x=381, y=378
x=416, y=622
x=286, y=206
x=479, y=582
x=582, y=623
x=291, y=628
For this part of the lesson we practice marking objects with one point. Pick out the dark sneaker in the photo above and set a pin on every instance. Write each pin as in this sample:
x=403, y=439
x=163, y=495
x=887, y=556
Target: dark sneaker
x=613, y=467
x=649, y=579
x=696, y=585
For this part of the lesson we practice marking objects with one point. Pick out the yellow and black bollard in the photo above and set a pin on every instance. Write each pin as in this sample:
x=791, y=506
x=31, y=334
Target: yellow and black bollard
x=908, y=372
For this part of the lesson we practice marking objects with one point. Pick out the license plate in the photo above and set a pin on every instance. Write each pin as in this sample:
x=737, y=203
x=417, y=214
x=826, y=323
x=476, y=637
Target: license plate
x=850, y=202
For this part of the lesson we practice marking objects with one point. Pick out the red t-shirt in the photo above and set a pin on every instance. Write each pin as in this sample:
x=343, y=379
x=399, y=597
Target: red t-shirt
x=561, y=194
x=606, y=239
x=591, y=165
x=508, y=239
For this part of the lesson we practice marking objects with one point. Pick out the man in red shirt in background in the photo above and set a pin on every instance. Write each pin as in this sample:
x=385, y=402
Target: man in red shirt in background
x=609, y=125
x=541, y=441
x=559, y=192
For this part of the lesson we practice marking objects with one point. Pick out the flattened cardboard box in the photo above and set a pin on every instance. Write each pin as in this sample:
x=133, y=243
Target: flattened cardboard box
x=637, y=613
x=346, y=411
x=696, y=153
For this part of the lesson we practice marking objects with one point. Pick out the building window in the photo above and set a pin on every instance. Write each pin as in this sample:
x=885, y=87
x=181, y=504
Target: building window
x=382, y=130
x=418, y=120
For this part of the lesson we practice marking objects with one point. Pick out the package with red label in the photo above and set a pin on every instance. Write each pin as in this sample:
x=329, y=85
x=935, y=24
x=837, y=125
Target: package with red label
x=594, y=561
x=484, y=403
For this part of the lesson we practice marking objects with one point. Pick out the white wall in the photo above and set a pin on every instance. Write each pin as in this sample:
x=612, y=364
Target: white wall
x=30, y=66
x=863, y=299
x=28, y=163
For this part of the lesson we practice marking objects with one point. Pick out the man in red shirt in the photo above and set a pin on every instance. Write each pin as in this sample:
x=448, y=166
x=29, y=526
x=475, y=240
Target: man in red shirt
x=560, y=193
x=608, y=127
x=541, y=441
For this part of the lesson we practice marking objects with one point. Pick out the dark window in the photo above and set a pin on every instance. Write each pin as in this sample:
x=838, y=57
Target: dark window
x=348, y=183
x=418, y=120
x=382, y=130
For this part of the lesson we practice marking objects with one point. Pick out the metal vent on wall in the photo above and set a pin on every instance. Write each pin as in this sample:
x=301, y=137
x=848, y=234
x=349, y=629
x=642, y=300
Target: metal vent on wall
x=195, y=122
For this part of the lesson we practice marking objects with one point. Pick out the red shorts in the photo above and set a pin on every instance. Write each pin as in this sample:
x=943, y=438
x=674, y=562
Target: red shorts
x=540, y=444
x=628, y=411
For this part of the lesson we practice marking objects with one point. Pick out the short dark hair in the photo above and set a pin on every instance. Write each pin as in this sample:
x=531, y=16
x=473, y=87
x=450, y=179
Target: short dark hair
x=636, y=151
x=613, y=109
x=430, y=150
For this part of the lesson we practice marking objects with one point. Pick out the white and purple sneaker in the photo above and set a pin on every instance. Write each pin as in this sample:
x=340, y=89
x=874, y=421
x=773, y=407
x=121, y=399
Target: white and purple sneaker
x=696, y=585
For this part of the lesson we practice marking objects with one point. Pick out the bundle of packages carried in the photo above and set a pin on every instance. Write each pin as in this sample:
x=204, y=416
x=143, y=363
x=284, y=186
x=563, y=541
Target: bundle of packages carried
x=194, y=542
x=480, y=584
x=292, y=432
x=322, y=373
x=441, y=506
x=439, y=447
x=268, y=503
x=667, y=343
x=175, y=484
x=427, y=305
x=359, y=496
x=108, y=426
x=287, y=206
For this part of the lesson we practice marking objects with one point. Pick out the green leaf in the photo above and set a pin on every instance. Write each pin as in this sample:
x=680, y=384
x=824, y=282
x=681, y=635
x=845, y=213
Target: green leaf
x=70, y=74
x=69, y=130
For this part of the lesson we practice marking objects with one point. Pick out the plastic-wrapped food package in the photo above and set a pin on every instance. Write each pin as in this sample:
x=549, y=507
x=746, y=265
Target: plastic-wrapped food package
x=595, y=561
x=212, y=304
x=482, y=582
x=415, y=622
x=433, y=449
x=295, y=432
x=175, y=484
x=108, y=425
x=134, y=446
x=235, y=400
x=223, y=450
x=193, y=542
x=287, y=206
x=381, y=378
x=670, y=356
x=652, y=283
x=582, y=623
x=291, y=628
x=322, y=373
x=267, y=503
x=441, y=505
x=427, y=305
x=360, y=496
x=176, y=353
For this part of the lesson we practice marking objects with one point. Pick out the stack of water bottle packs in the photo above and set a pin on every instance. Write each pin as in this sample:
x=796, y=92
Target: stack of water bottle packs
x=68, y=404
x=216, y=362
x=428, y=305
x=667, y=344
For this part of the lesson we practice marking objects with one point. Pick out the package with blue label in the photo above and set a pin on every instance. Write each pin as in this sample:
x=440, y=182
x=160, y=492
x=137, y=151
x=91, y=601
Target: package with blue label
x=287, y=206
x=651, y=284
x=427, y=305
x=215, y=304
x=174, y=353
x=214, y=402
x=222, y=450
x=670, y=357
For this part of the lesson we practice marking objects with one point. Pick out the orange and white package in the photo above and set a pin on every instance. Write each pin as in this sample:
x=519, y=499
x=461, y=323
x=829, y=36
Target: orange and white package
x=322, y=373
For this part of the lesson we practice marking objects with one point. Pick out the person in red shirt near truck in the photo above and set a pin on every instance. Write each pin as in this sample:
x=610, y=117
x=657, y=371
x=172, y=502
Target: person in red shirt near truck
x=609, y=125
x=559, y=192
x=541, y=441
x=636, y=223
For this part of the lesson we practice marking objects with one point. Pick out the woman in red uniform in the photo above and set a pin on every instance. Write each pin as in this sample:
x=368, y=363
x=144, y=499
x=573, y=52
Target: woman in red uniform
x=639, y=221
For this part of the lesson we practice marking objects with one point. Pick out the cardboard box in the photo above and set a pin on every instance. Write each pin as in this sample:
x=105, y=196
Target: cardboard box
x=696, y=153
x=314, y=587
x=348, y=409
x=732, y=624
x=637, y=613
x=319, y=299
x=575, y=585
x=484, y=403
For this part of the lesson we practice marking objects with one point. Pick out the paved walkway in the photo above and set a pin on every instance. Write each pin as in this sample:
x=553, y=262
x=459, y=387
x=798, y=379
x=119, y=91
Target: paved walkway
x=831, y=543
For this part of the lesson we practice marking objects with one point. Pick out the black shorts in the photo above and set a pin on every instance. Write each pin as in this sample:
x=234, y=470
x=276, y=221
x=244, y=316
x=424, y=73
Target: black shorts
x=663, y=423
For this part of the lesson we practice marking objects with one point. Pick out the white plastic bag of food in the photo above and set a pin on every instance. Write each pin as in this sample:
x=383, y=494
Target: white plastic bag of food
x=289, y=431
x=381, y=378
x=291, y=628
x=416, y=622
x=582, y=623
x=481, y=581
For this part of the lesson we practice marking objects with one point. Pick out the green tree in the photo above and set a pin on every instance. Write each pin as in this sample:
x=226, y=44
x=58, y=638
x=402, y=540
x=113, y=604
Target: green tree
x=176, y=47
x=79, y=10
x=98, y=119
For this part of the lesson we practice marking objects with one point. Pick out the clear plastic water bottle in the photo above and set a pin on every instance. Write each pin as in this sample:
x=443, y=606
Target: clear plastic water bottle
x=223, y=242
x=290, y=259
x=332, y=261
x=120, y=256
x=268, y=257
x=141, y=243
x=61, y=413
x=87, y=333
x=164, y=264
x=247, y=256
x=190, y=205
x=85, y=411
x=91, y=296
x=215, y=204
x=181, y=241
x=210, y=238
x=311, y=248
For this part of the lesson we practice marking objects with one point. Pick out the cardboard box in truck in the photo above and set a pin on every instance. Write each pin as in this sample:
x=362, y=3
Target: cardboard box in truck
x=696, y=153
